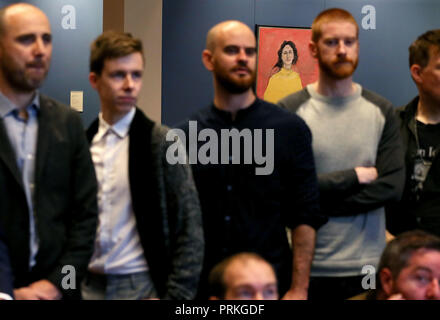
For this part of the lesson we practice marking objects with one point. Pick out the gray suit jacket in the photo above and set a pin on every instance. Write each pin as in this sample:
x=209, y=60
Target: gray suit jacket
x=64, y=199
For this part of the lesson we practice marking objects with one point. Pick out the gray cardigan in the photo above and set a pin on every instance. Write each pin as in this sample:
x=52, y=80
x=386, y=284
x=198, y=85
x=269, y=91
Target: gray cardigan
x=167, y=210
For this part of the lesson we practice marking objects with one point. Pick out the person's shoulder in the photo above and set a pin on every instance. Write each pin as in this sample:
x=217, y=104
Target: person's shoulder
x=376, y=99
x=281, y=118
x=410, y=107
x=200, y=116
x=293, y=101
x=49, y=102
x=60, y=113
x=160, y=131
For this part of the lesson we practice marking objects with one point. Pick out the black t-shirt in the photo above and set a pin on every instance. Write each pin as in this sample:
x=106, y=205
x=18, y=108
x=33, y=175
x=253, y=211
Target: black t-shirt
x=419, y=207
x=429, y=142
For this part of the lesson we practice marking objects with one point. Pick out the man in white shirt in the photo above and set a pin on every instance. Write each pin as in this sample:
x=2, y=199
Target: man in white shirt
x=149, y=240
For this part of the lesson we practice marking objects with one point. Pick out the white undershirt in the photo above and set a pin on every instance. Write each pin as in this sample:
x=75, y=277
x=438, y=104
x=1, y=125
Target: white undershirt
x=117, y=246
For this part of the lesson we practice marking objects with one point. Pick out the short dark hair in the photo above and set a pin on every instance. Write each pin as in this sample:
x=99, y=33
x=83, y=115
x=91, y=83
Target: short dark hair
x=279, y=63
x=111, y=45
x=419, y=49
x=217, y=285
x=331, y=15
x=398, y=251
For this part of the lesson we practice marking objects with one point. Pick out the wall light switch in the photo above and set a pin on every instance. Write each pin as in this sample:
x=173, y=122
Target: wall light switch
x=76, y=100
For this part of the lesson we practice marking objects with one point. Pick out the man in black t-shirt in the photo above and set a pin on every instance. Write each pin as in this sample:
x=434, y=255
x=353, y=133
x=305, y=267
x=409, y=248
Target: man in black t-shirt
x=420, y=129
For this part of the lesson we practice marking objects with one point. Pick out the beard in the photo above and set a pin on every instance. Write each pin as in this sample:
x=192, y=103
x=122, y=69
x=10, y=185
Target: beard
x=232, y=84
x=339, y=68
x=23, y=79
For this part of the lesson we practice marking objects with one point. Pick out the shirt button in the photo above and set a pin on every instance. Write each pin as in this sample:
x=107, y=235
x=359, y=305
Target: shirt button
x=229, y=188
x=227, y=218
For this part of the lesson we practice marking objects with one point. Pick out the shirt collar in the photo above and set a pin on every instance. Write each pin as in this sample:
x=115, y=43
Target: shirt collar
x=227, y=115
x=335, y=100
x=6, y=106
x=120, y=128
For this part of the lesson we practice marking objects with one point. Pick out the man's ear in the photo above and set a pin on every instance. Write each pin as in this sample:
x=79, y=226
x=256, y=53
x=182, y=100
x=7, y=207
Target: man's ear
x=416, y=71
x=386, y=280
x=93, y=79
x=313, y=48
x=207, y=59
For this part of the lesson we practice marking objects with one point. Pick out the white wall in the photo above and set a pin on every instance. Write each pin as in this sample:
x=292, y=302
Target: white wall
x=143, y=19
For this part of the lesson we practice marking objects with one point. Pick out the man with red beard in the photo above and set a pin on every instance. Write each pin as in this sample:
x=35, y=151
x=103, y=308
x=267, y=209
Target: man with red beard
x=358, y=156
x=48, y=207
x=241, y=210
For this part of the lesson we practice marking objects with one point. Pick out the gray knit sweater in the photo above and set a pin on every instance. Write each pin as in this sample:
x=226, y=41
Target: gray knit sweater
x=358, y=130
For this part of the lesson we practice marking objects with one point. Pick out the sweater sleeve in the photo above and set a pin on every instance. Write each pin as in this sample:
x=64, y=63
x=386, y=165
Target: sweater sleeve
x=338, y=183
x=388, y=187
x=185, y=228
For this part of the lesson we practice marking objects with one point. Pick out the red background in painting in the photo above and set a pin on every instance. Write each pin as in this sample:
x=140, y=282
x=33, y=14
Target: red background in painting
x=270, y=40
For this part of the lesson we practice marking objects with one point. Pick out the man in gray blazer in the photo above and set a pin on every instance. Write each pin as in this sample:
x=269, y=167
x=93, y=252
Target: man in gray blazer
x=48, y=207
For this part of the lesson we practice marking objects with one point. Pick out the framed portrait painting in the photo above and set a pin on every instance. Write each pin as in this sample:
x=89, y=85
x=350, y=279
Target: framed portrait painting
x=284, y=63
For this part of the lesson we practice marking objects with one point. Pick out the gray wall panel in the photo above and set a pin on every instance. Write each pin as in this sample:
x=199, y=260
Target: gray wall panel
x=288, y=13
x=186, y=84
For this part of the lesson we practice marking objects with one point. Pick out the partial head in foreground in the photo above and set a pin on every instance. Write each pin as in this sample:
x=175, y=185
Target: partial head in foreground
x=410, y=266
x=244, y=276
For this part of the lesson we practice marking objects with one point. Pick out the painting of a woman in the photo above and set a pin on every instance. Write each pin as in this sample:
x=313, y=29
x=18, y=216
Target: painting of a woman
x=284, y=80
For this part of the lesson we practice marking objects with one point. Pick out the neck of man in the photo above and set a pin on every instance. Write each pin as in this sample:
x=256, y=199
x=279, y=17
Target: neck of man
x=232, y=102
x=111, y=117
x=428, y=110
x=331, y=87
x=21, y=99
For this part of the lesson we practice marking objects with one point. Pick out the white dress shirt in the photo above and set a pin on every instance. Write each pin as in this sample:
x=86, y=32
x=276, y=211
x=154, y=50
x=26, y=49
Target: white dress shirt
x=117, y=246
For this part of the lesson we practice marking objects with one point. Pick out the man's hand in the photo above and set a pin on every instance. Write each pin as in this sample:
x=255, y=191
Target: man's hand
x=366, y=175
x=39, y=290
x=293, y=294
